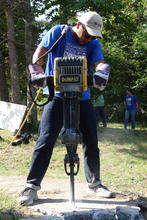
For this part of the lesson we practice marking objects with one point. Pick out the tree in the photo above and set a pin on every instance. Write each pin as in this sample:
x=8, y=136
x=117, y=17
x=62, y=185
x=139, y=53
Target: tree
x=29, y=52
x=4, y=96
x=12, y=52
x=3, y=87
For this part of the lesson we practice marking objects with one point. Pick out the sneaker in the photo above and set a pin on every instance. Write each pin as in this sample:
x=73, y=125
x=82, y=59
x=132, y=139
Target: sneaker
x=28, y=196
x=102, y=191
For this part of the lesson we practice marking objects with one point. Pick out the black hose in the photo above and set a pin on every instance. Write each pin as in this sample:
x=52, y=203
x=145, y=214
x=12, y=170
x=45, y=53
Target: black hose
x=50, y=85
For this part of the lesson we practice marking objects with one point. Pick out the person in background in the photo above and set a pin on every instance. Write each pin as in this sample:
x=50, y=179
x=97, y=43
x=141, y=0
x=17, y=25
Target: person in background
x=80, y=40
x=131, y=107
x=99, y=107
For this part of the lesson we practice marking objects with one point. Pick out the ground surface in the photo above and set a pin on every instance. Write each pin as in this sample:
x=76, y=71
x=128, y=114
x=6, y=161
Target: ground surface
x=54, y=197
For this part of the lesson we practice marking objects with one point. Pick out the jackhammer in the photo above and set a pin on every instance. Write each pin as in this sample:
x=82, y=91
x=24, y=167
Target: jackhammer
x=70, y=79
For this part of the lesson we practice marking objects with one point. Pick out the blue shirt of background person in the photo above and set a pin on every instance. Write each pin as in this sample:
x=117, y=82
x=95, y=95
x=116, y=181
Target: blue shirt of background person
x=131, y=106
x=131, y=102
x=69, y=46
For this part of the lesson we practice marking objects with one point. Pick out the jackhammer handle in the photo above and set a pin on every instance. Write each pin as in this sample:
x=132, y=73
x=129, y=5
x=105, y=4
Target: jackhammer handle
x=50, y=84
x=68, y=172
x=75, y=164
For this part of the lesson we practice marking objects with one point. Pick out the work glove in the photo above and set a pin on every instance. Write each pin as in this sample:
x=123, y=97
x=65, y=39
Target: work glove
x=101, y=76
x=37, y=75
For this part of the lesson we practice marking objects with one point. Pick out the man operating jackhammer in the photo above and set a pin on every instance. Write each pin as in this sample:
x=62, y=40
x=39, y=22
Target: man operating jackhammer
x=79, y=40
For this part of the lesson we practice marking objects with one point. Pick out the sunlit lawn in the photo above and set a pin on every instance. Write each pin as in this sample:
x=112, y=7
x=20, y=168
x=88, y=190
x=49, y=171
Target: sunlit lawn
x=123, y=159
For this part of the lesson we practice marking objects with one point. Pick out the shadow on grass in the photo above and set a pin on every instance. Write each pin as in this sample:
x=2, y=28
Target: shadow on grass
x=129, y=141
x=140, y=152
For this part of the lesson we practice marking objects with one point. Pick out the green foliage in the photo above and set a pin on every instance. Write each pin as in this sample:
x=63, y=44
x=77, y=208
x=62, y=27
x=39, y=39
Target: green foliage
x=124, y=48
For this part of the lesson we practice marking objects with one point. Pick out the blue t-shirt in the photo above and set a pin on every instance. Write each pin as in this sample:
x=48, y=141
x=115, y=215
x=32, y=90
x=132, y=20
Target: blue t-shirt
x=130, y=101
x=69, y=46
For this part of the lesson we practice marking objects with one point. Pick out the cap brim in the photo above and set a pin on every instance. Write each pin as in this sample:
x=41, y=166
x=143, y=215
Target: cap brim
x=93, y=32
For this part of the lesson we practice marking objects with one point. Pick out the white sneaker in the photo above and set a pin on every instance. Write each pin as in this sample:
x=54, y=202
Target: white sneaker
x=28, y=196
x=102, y=191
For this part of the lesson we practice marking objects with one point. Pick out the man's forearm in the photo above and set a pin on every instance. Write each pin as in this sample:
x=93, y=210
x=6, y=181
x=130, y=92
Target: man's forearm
x=38, y=53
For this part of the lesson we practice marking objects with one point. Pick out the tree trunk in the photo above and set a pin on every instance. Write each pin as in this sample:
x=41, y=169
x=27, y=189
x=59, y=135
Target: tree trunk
x=12, y=53
x=29, y=53
x=3, y=86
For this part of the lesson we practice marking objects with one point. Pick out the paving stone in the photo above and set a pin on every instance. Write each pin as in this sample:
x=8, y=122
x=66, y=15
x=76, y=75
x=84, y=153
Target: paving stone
x=104, y=215
x=78, y=216
x=128, y=213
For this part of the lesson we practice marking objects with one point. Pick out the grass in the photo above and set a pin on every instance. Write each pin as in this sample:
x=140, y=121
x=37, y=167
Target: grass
x=123, y=160
x=8, y=207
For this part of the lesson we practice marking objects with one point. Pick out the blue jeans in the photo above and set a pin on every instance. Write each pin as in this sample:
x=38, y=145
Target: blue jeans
x=130, y=114
x=50, y=126
x=100, y=115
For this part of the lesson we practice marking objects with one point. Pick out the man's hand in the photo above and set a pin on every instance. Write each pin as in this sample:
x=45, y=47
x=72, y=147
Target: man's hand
x=101, y=76
x=37, y=75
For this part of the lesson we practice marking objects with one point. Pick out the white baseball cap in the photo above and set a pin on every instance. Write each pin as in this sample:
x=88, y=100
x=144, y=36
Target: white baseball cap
x=93, y=23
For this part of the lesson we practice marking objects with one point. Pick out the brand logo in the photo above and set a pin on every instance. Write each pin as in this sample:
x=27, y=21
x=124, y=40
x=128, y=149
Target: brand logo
x=70, y=79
